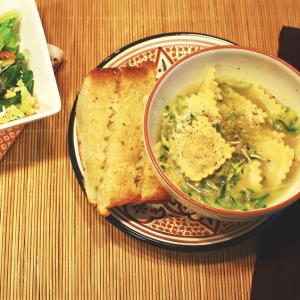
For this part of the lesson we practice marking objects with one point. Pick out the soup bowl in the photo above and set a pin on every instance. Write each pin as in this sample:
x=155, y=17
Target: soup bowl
x=236, y=62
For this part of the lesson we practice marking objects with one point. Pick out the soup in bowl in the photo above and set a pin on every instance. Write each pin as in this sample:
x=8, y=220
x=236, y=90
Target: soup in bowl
x=222, y=130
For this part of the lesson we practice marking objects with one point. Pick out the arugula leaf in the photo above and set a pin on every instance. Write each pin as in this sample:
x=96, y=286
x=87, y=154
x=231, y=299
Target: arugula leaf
x=5, y=34
x=9, y=39
x=10, y=76
x=2, y=93
x=27, y=78
x=12, y=16
x=20, y=58
x=12, y=43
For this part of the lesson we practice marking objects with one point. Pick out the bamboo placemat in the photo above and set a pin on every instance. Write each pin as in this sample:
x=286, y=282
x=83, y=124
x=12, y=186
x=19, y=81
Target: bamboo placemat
x=53, y=244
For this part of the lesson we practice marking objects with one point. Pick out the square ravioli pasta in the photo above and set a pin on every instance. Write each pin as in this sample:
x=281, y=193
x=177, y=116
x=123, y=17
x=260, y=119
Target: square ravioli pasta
x=228, y=143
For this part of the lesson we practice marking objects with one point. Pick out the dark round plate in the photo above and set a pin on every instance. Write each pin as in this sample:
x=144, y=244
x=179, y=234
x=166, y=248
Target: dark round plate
x=167, y=225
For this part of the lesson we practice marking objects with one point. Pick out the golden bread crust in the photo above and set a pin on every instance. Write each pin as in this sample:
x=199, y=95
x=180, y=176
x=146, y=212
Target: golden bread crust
x=103, y=74
x=109, y=128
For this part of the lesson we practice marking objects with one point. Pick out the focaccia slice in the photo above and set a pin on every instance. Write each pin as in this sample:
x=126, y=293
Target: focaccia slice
x=109, y=129
x=96, y=106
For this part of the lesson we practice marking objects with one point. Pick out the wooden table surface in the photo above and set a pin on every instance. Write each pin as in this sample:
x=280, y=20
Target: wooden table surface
x=53, y=244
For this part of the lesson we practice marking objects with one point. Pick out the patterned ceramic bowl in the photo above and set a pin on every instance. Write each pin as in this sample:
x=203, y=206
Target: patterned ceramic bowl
x=237, y=62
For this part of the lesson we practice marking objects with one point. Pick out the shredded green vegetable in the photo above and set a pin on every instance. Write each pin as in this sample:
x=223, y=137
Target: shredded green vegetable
x=224, y=188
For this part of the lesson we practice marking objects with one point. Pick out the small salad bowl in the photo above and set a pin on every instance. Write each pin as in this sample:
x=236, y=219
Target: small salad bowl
x=240, y=63
x=33, y=45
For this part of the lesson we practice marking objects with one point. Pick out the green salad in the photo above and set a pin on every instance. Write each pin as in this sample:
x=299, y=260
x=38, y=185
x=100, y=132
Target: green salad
x=16, y=79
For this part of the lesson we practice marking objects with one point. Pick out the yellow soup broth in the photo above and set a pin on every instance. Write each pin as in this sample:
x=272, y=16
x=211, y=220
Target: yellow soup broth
x=230, y=144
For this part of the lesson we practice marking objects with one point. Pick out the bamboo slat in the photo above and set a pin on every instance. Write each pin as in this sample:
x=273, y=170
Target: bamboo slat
x=53, y=245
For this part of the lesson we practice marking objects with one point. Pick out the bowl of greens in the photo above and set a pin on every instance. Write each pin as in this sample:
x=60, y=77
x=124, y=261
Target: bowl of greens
x=28, y=89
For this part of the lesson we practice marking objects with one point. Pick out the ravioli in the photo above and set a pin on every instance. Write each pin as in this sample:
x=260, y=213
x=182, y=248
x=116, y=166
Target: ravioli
x=247, y=113
x=264, y=100
x=203, y=104
x=201, y=150
x=255, y=135
x=252, y=177
x=277, y=160
x=229, y=144
x=294, y=142
x=210, y=85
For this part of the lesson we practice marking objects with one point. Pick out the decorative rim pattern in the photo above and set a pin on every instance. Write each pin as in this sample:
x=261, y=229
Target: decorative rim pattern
x=8, y=137
x=160, y=221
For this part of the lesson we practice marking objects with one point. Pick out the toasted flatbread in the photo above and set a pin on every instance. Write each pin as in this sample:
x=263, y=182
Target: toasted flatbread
x=109, y=128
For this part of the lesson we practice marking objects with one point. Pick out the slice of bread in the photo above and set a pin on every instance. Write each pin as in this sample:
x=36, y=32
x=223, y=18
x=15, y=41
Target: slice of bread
x=109, y=128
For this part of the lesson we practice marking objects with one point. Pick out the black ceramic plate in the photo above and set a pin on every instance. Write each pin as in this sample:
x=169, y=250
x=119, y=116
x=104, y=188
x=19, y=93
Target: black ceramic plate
x=168, y=225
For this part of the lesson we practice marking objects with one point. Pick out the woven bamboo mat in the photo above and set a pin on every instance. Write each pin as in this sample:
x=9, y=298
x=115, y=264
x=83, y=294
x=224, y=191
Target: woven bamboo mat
x=53, y=245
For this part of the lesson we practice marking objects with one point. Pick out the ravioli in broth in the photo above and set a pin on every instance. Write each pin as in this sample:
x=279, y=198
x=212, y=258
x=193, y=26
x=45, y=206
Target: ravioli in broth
x=230, y=144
